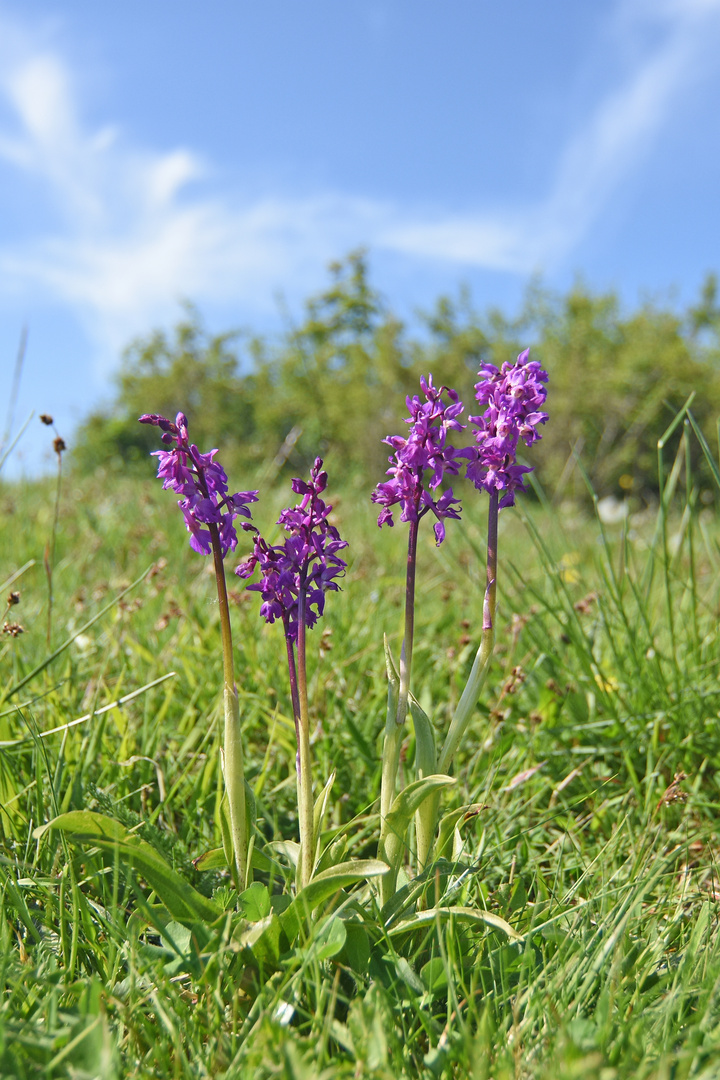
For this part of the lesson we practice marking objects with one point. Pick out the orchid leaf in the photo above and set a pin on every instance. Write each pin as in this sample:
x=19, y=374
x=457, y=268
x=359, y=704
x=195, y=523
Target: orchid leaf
x=425, y=765
x=87, y=827
x=325, y=885
x=333, y=854
x=390, y=666
x=320, y=810
x=393, y=841
x=451, y=821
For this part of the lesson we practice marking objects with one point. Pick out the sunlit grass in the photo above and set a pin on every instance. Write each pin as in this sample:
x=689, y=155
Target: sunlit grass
x=585, y=836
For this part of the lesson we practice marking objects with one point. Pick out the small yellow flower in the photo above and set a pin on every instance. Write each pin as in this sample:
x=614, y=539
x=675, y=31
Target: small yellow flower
x=609, y=685
x=567, y=567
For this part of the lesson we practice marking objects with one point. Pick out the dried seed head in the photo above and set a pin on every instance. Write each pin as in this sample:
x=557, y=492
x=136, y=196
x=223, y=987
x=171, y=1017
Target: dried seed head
x=14, y=629
x=46, y=418
x=13, y=598
x=59, y=445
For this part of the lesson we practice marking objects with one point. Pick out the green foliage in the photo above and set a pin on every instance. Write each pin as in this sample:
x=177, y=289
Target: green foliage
x=571, y=930
x=616, y=383
x=339, y=379
x=193, y=371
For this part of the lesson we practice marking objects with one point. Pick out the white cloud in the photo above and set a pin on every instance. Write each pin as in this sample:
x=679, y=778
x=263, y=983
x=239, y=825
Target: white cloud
x=133, y=235
x=610, y=146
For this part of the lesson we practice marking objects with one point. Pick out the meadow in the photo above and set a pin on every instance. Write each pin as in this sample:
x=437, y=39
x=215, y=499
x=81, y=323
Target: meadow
x=591, y=765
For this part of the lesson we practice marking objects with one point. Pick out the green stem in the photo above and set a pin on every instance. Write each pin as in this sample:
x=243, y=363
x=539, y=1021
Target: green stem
x=232, y=738
x=468, y=700
x=429, y=812
x=304, y=764
x=394, y=726
x=398, y=706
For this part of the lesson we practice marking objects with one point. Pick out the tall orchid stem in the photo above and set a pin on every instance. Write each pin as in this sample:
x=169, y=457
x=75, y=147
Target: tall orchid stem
x=304, y=764
x=468, y=700
x=396, y=719
x=232, y=736
x=470, y=694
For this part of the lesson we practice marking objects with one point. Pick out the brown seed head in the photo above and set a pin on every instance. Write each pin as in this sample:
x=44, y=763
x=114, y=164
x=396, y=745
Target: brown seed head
x=13, y=628
x=46, y=418
x=13, y=598
x=59, y=445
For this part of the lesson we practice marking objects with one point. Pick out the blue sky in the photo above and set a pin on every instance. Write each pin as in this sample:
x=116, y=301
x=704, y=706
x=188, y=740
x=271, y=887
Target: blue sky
x=225, y=152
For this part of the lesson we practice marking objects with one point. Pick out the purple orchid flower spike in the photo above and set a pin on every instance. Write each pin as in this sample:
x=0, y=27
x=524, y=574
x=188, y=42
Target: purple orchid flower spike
x=513, y=396
x=307, y=561
x=419, y=465
x=209, y=512
x=294, y=577
x=424, y=453
x=203, y=484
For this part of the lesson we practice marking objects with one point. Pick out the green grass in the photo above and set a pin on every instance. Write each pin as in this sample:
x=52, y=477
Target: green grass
x=604, y=688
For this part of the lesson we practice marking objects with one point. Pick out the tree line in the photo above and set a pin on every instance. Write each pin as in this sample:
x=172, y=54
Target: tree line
x=335, y=384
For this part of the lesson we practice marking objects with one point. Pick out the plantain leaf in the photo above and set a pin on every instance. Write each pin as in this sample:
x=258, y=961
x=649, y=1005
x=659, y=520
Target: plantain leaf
x=473, y=916
x=178, y=896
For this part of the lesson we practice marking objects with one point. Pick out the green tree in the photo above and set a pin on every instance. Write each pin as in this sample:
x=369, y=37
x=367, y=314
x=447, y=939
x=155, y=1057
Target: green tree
x=340, y=378
x=189, y=370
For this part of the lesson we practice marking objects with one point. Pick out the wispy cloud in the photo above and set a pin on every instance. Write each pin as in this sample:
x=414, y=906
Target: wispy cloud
x=609, y=147
x=136, y=229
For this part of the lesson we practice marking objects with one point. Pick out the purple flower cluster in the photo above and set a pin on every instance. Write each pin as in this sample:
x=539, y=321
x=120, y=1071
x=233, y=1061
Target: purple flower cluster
x=202, y=483
x=513, y=397
x=425, y=450
x=306, y=562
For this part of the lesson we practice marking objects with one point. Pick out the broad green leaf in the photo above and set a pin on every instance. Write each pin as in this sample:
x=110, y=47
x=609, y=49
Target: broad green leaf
x=288, y=848
x=393, y=842
x=333, y=855
x=449, y=822
x=254, y=902
x=319, y=811
x=181, y=900
x=425, y=765
x=473, y=916
x=434, y=974
x=327, y=940
x=215, y=859
x=355, y=954
x=264, y=940
x=325, y=885
x=425, y=751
